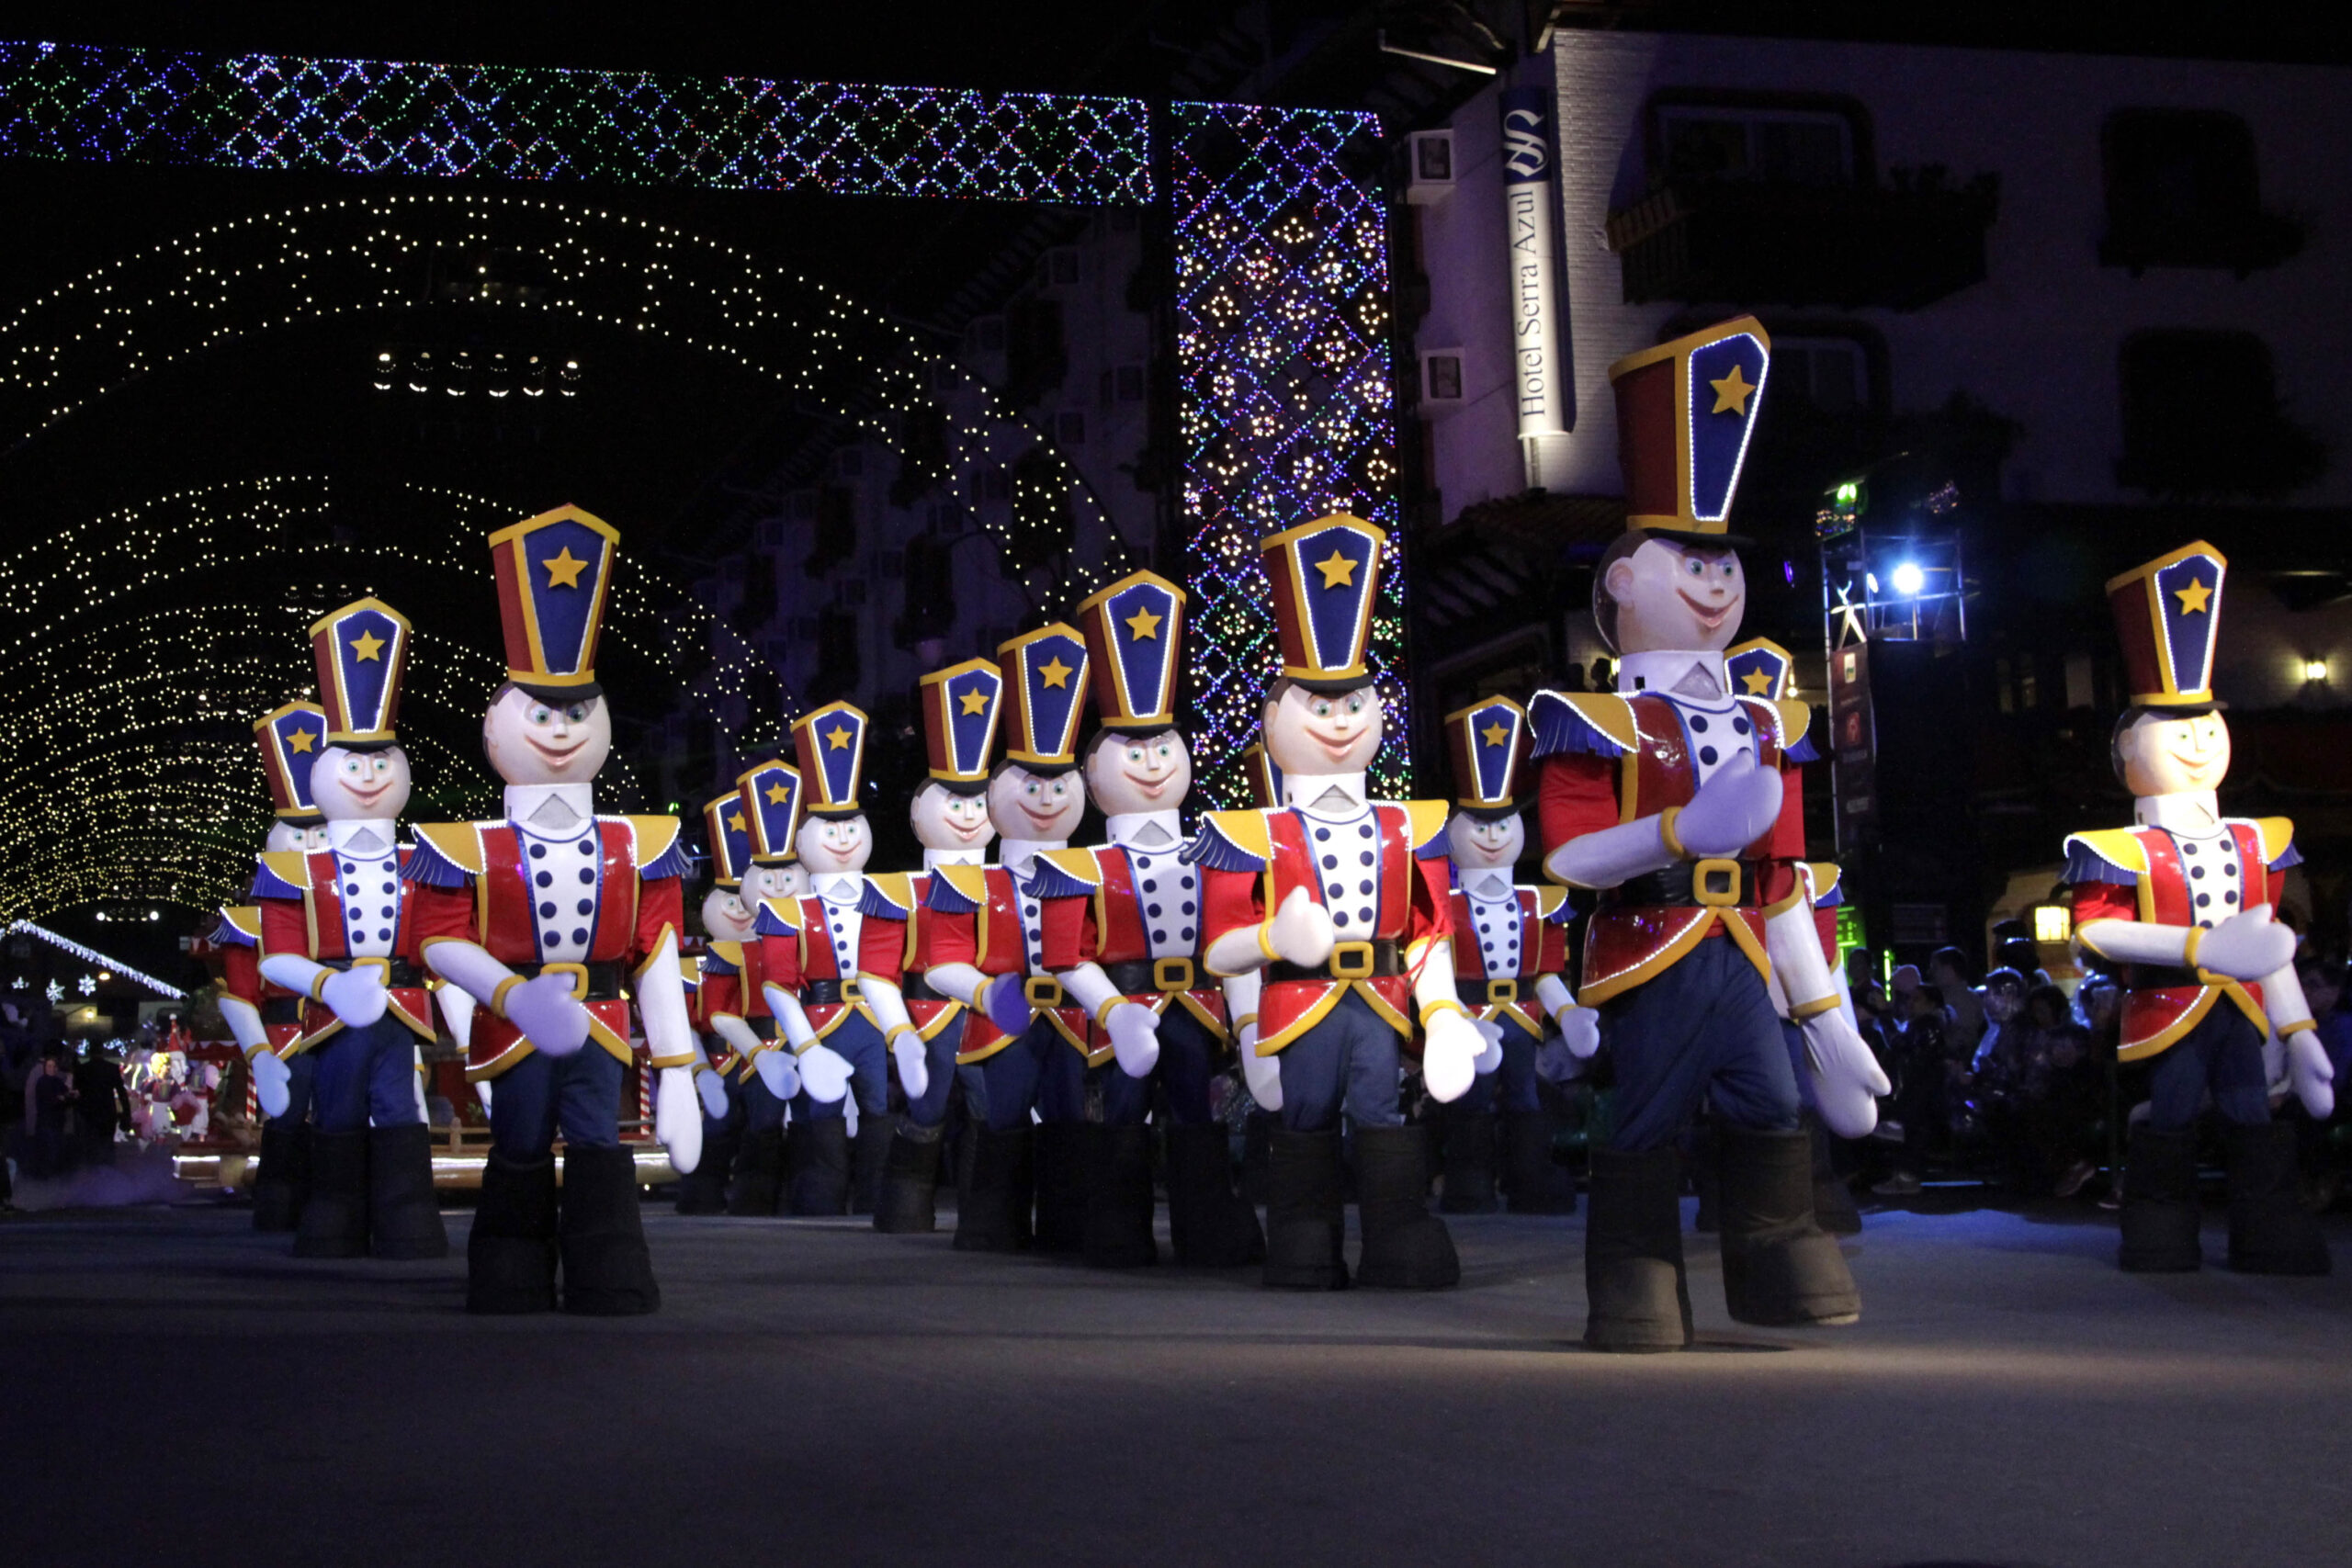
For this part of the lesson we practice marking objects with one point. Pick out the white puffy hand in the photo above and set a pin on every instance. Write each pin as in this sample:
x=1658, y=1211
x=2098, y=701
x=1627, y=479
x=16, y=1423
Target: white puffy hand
x=1492, y=1057
x=677, y=1118
x=914, y=1071
x=270, y=1076
x=1264, y=1075
x=551, y=1018
x=2310, y=1074
x=1731, y=810
x=779, y=1074
x=2247, y=946
x=713, y=1090
x=1302, y=930
x=1846, y=1081
x=1006, y=1002
x=1135, y=1038
x=1556, y=1064
x=824, y=1072
x=357, y=997
x=1450, y=1047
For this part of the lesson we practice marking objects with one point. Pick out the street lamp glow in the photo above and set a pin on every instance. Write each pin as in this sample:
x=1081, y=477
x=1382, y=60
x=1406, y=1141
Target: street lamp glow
x=1908, y=578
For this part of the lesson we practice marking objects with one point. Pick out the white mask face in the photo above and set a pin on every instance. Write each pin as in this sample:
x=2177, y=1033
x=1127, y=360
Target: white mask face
x=284, y=836
x=1139, y=772
x=530, y=740
x=1486, y=846
x=353, y=786
x=833, y=844
x=1325, y=732
x=1669, y=598
x=943, y=820
x=2175, y=756
x=726, y=917
x=1042, y=807
x=789, y=880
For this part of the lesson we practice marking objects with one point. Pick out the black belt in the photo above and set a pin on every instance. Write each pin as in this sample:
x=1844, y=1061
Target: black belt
x=1375, y=960
x=1144, y=976
x=604, y=979
x=827, y=992
x=282, y=1010
x=917, y=989
x=397, y=971
x=2152, y=978
x=1726, y=882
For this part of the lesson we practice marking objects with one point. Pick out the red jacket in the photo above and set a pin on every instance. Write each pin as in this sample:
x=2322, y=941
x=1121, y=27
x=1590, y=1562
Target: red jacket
x=305, y=904
x=797, y=946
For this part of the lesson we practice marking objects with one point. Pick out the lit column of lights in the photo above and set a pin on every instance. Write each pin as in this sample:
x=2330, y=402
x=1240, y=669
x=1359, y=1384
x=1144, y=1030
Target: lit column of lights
x=375, y=116
x=1282, y=343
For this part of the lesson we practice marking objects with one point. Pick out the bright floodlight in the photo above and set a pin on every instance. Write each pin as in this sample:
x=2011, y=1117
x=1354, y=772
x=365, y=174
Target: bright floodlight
x=1908, y=578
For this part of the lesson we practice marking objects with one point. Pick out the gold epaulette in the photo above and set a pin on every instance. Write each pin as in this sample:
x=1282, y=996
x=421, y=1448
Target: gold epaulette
x=290, y=866
x=459, y=843
x=246, y=918
x=1250, y=832
x=1079, y=865
x=655, y=835
x=1825, y=875
x=1429, y=821
x=1607, y=712
x=2277, y=835
x=1549, y=897
x=895, y=888
x=970, y=881
x=728, y=952
x=2118, y=847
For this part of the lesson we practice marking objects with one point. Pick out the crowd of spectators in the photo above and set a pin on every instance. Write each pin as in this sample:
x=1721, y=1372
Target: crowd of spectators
x=60, y=1109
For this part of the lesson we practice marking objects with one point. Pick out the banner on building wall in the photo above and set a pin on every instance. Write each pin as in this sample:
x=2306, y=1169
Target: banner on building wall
x=1853, y=740
x=1539, y=380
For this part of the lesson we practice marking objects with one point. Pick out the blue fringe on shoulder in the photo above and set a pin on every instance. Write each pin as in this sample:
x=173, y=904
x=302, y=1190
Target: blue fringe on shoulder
x=1560, y=730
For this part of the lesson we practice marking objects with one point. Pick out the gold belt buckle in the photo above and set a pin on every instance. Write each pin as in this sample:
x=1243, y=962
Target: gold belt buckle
x=579, y=973
x=1172, y=973
x=1502, y=993
x=1352, y=961
x=1043, y=991
x=383, y=967
x=850, y=993
x=1709, y=890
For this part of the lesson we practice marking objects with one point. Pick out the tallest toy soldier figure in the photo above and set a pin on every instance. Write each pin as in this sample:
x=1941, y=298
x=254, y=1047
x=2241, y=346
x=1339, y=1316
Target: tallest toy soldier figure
x=2180, y=903
x=1668, y=797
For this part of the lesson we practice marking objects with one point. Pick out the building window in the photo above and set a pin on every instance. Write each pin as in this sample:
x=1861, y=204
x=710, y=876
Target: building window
x=1830, y=375
x=2201, y=418
x=2182, y=191
x=1763, y=142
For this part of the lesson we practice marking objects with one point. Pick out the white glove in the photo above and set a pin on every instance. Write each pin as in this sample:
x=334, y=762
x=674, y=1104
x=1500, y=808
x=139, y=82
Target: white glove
x=270, y=1078
x=1451, y=1047
x=551, y=1018
x=1580, y=1026
x=1264, y=1075
x=677, y=1117
x=1492, y=1057
x=713, y=1090
x=824, y=1072
x=1731, y=810
x=1302, y=930
x=1847, y=1082
x=1557, y=1062
x=780, y=1073
x=914, y=1070
x=358, y=997
x=1135, y=1038
x=2247, y=946
x=2310, y=1074
x=1006, y=1002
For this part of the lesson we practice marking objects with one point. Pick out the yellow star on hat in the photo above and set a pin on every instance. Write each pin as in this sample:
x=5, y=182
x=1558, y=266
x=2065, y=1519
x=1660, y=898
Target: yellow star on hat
x=1338, y=571
x=300, y=740
x=778, y=794
x=564, y=568
x=838, y=739
x=975, y=701
x=735, y=823
x=1494, y=734
x=2193, y=597
x=1758, y=682
x=1731, y=393
x=368, y=647
x=1056, y=673
x=1144, y=624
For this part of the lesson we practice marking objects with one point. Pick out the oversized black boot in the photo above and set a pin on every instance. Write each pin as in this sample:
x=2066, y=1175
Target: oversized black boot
x=994, y=1213
x=277, y=1189
x=1208, y=1225
x=1635, y=1295
x=2271, y=1231
x=1538, y=1185
x=758, y=1182
x=868, y=1156
x=909, y=1201
x=1117, y=1197
x=1406, y=1247
x=703, y=1190
x=510, y=1255
x=1257, y=1128
x=1833, y=1201
x=335, y=1220
x=2159, y=1217
x=1306, y=1219
x=1781, y=1268
x=819, y=1166
x=403, y=1211
x=1706, y=1168
x=1061, y=1185
x=1467, y=1141
x=607, y=1272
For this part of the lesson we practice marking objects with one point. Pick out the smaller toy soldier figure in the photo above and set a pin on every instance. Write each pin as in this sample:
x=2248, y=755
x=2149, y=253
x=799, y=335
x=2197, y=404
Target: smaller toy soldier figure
x=2180, y=905
x=266, y=1018
x=718, y=1008
x=338, y=927
x=764, y=814
x=1341, y=901
x=1511, y=950
x=949, y=814
x=831, y=960
x=984, y=946
x=543, y=916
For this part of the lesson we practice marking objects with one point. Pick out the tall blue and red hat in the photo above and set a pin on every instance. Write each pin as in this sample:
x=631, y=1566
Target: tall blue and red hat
x=1134, y=638
x=1325, y=576
x=728, y=831
x=361, y=653
x=1685, y=410
x=830, y=743
x=291, y=738
x=555, y=576
x=2169, y=615
x=1761, y=668
x=770, y=794
x=1045, y=683
x=1487, y=744
x=961, y=705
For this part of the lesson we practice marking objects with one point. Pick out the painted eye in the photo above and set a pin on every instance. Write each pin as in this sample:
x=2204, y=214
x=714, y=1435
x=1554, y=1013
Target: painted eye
x=577, y=713
x=1355, y=703
x=541, y=712
x=1135, y=753
x=1694, y=566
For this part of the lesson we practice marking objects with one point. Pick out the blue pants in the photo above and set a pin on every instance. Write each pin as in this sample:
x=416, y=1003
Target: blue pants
x=762, y=1111
x=364, y=1075
x=930, y=1108
x=1510, y=1088
x=1351, y=1062
x=1188, y=1064
x=1065, y=1084
x=302, y=1073
x=1706, y=1028
x=1793, y=1036
x=857, y=1042
x=579, y=1094
x=2223, y=1054
x=1009, y=1078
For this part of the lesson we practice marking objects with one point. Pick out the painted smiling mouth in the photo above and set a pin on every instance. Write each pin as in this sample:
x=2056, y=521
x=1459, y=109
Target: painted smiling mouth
x=1152, y=788
x=963, y=832
x=1041, y=817
x=1339, y=748
x=356, y=793
x=558, y=756
x=1709, y=618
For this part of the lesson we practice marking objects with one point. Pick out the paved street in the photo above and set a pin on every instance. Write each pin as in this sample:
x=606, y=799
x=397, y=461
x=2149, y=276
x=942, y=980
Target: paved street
x=177, y=1390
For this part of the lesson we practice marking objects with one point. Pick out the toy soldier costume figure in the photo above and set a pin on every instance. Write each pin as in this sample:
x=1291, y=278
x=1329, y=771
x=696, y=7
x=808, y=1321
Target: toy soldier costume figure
x=546, y=916
x=338, y=927
x=266, y=1019
x=949, y=813
x=1340, y=902
x=1511, y=950
x=715, y=1004
x=831, y=960
x=1123, y=933
x=764, y=814
x=1668, y=798
x=2180, y=904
